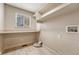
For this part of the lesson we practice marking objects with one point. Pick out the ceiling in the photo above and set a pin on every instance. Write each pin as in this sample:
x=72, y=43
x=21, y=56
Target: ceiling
x=33, y=7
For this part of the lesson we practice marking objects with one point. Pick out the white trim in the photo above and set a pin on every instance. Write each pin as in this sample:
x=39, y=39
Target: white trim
x=52, y=51
x=30, y=21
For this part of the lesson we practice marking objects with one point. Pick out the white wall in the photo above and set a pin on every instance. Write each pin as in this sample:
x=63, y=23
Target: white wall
x=15, y=39
x=1, y=16
x=10, y=20
x=54, y=35
x=1, y=23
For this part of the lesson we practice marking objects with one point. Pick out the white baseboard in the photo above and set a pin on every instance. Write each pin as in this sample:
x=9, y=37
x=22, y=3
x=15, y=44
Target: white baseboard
x=52, y=51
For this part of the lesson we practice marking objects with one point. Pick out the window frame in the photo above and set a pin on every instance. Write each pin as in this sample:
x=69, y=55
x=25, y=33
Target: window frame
x=24, y=24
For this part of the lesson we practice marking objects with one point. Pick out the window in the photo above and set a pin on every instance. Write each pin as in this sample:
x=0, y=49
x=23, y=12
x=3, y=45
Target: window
x=22, y=20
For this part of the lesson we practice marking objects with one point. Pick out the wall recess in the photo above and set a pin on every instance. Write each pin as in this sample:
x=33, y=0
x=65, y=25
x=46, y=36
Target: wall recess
x=72, y=28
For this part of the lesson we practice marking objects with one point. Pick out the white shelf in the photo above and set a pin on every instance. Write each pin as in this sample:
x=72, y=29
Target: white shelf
x=48, y=7
x=6, y=32
x=58, y=11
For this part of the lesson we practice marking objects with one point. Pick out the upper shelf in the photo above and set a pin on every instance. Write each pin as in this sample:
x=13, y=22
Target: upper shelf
x=48, y=7
x=62, y=9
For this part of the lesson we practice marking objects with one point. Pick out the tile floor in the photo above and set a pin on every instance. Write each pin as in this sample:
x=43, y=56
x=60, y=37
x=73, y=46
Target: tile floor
x=30, y=50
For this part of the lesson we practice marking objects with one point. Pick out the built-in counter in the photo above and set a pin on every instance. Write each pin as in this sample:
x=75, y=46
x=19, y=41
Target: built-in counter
x=11, y=39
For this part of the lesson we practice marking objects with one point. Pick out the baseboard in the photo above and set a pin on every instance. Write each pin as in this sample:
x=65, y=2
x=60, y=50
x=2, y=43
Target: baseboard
x=52, y=51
